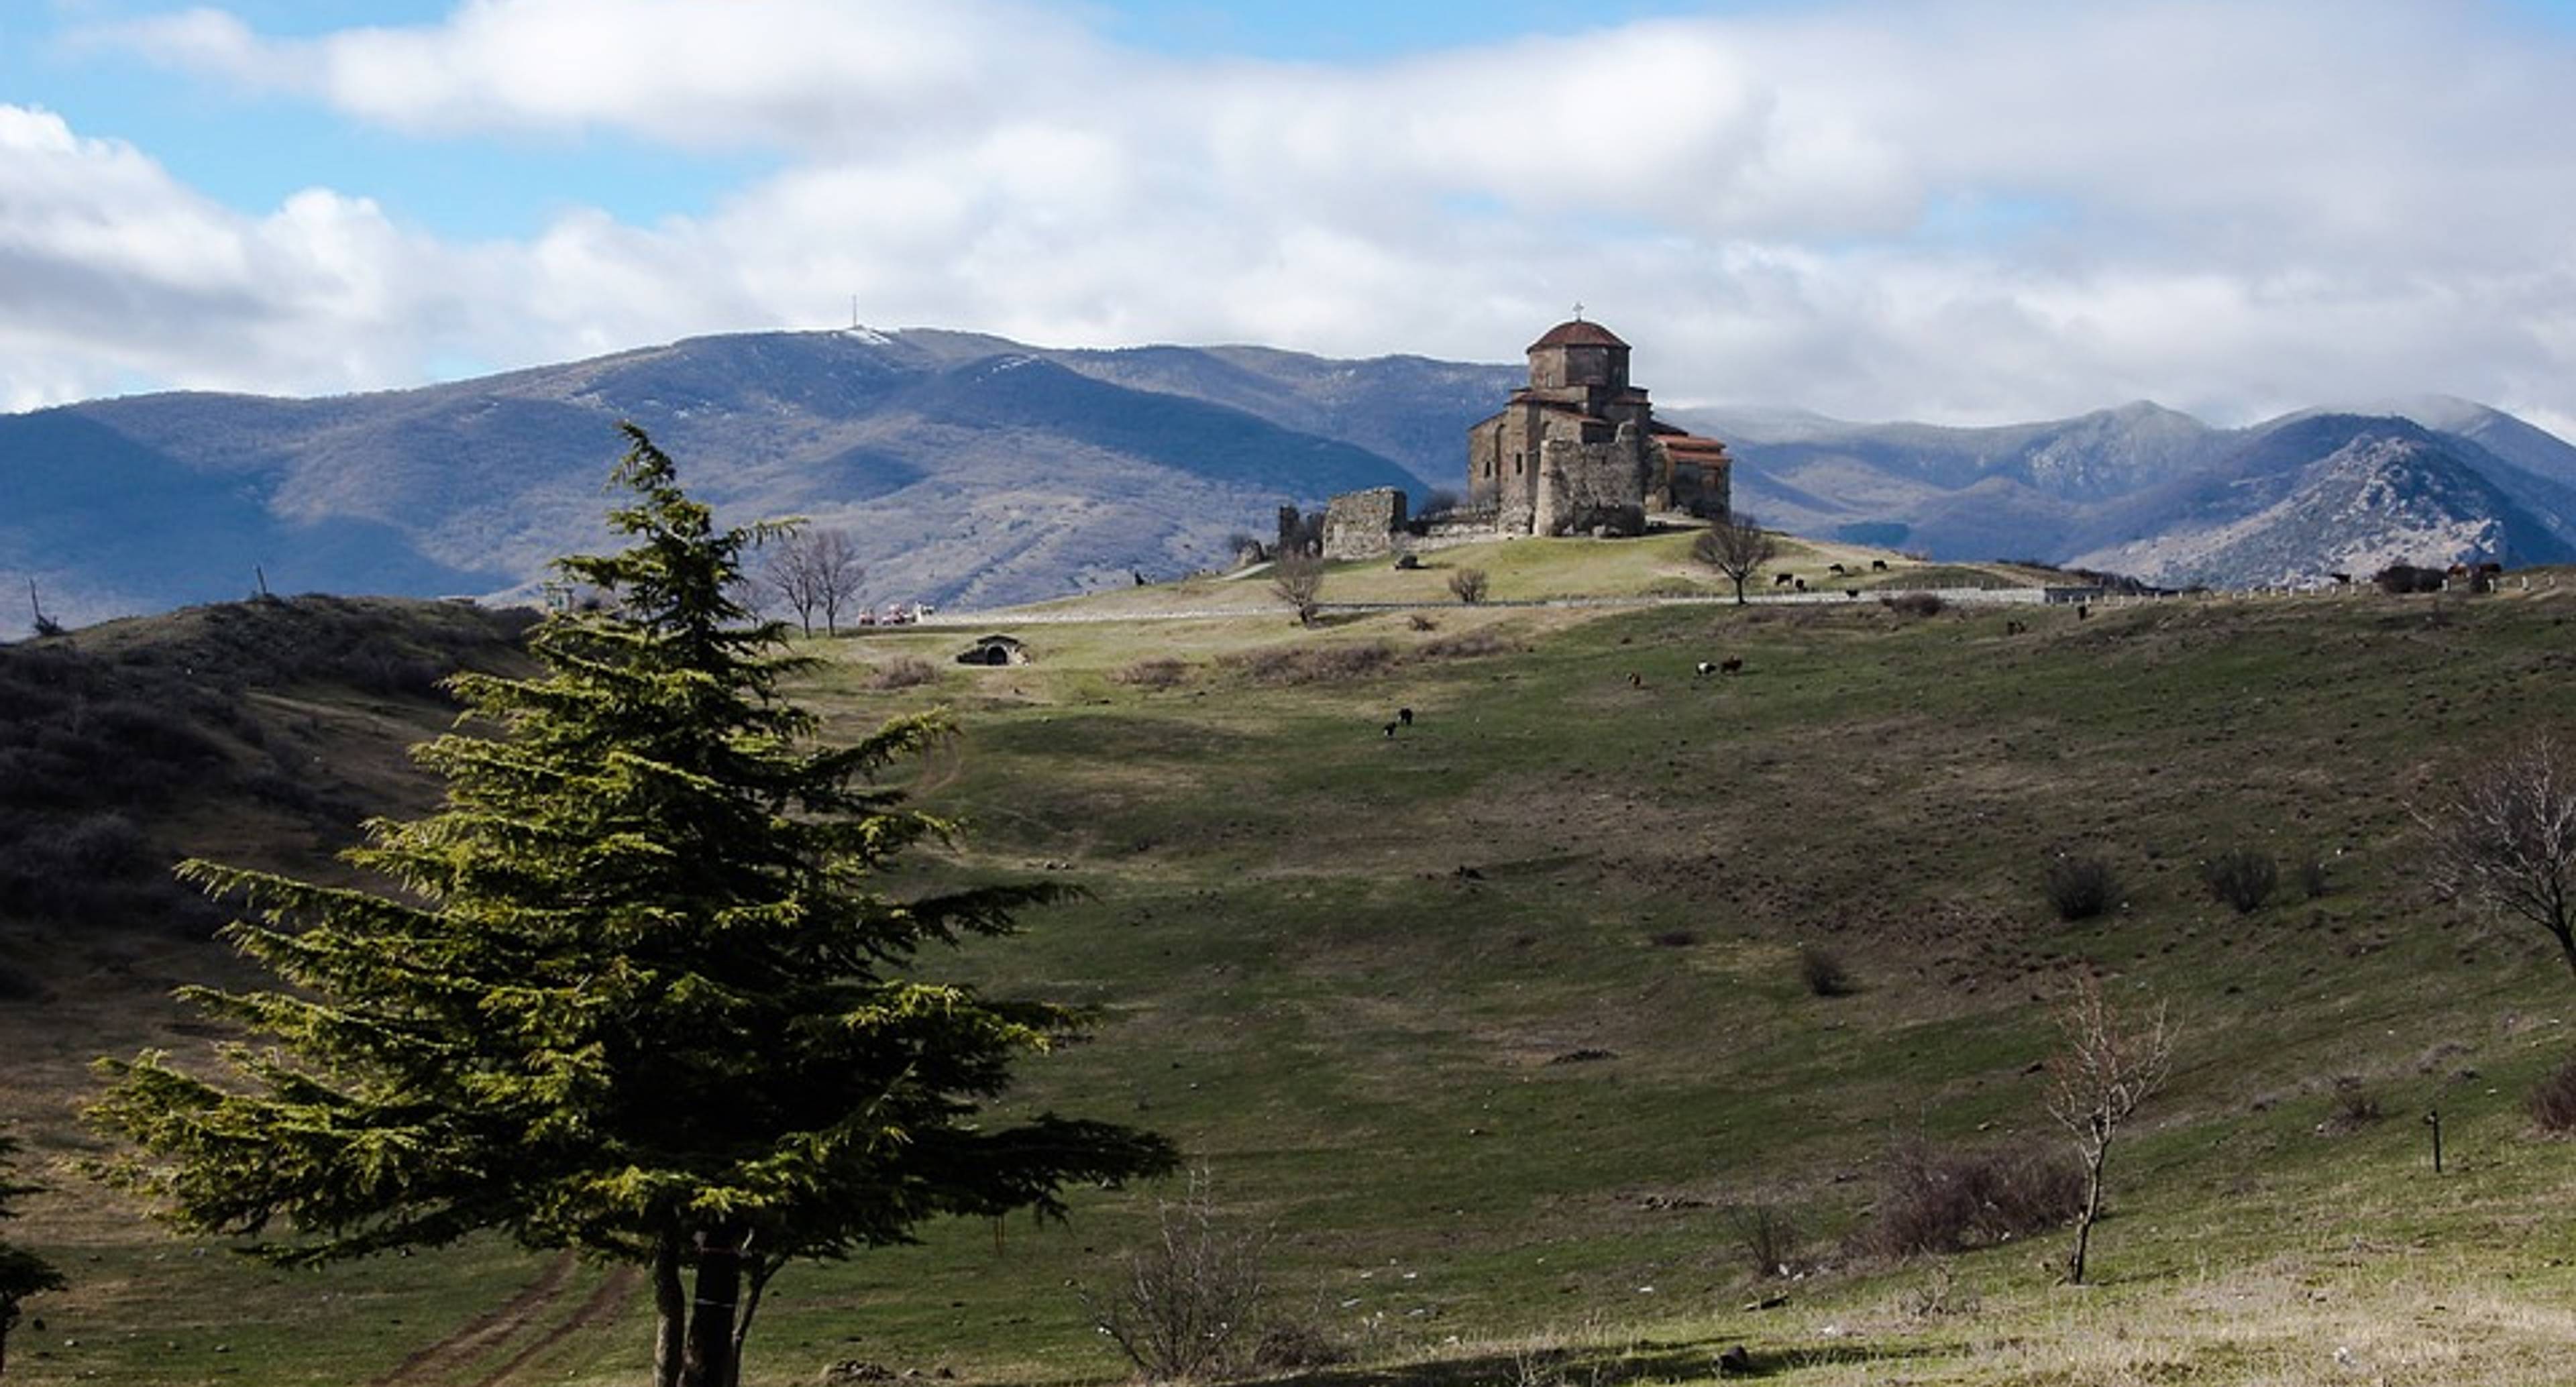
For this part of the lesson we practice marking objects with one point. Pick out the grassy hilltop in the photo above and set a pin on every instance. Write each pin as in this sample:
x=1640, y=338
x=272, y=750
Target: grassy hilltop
x=1497, y=1020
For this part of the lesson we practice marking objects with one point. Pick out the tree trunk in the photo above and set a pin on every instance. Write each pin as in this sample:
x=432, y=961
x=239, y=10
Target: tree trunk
x=2566, y=943
x=670, y=1310
x=2084, y=1227
x=762, y=1268
x=1739, y=592
x=708, y=1358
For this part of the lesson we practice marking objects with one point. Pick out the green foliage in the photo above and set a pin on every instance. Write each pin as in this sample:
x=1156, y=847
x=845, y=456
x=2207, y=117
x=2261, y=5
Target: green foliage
x=636, y=990
x=22, y=1273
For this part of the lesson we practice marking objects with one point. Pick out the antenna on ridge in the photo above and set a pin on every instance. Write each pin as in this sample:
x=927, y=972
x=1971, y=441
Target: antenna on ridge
x=854, y=310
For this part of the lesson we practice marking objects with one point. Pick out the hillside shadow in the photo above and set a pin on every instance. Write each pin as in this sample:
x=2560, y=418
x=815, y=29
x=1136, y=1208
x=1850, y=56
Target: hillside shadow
x=1605, y=1368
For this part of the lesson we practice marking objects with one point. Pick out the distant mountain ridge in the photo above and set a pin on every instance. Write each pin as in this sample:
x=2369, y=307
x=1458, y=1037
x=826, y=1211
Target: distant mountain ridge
x=973, y=470
x=2154, y=493
x=968, y=469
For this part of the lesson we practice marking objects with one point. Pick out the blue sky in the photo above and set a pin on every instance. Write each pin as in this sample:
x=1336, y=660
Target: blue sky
x=1969, y=210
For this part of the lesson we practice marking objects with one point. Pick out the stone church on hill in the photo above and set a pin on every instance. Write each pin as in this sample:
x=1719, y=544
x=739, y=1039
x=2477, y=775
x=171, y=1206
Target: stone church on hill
x=1578, y=450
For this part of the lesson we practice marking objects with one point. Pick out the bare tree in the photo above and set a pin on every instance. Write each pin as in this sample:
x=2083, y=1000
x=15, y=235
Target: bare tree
x=1737, y=546
x=1188, y=1306
x=45, y=625
x=2107, y=1066
x=1468, y=585
x=2505, y=835
x=1298, y=579
x=814, y=571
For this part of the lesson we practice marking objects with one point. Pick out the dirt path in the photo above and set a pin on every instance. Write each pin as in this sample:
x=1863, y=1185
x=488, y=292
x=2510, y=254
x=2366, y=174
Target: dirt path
x=602, y=1306
x=449, y=1361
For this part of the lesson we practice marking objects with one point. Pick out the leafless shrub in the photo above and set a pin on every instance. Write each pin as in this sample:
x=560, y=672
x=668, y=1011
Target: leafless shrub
x=1918, y=604
x=1296, y=1344
x=1674, y=938
x=1767, y=1235
x=1184, y=1306
x=2108, y=1064
x=901, y=672
x=1153, y=674
x=1940, y=1296
x=2354, y=1106
x=1464, y=645
x=1931, y=1201
x=1298, y=580
x=2313, y=880
x=2241, y=877
x=2552, y=1103
x=1419, y=622
x=1737, y=547
x=2505, y=835
x=812, y=571
x=1299, y=664
x=1468, y=585
x=1824, y=973
x=2080, y=888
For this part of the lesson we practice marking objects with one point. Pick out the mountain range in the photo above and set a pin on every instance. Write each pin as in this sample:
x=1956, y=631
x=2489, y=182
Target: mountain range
x=975, y=471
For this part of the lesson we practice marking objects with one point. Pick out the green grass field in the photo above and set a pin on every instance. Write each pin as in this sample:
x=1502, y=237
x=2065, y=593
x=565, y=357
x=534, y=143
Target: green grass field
x=1495, y=1020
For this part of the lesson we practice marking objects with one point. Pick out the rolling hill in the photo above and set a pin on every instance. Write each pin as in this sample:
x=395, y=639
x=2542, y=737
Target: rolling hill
x=978, y=472
x=1500, y=1024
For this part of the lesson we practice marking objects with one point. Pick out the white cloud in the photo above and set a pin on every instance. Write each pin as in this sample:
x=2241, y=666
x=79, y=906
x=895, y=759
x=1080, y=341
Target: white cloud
x=1967, y=210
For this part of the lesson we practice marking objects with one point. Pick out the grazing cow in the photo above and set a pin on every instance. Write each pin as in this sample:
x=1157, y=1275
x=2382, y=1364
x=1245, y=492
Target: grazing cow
x=1732, y=664
x=2082, y=611
x=2341, y=580
x=1636, y=680
x=1390, y=731
x=1704, y=670
x=1833, y=568
x=2457, y=570
x=1784, y=580
x=1851, y=592
x=2015, y=628
x=1878, y=565
x=1405, y=716
x=1799, y=585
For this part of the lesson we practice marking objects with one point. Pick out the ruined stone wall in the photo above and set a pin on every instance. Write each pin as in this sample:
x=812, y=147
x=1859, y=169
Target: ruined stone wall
x=1591, y=488
x=1363, y=524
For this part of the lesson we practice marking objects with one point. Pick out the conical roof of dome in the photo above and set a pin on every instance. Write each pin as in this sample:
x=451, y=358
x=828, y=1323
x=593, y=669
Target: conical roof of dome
x=1575, y=332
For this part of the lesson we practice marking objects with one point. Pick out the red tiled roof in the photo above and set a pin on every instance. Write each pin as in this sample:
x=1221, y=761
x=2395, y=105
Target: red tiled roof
x=1577, y=333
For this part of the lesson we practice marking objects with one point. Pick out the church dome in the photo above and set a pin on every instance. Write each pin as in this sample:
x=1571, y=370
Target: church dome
x=1577, y=333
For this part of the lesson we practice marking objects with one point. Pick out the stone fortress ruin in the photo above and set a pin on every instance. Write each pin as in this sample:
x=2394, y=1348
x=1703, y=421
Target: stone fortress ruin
x=1577, y=451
